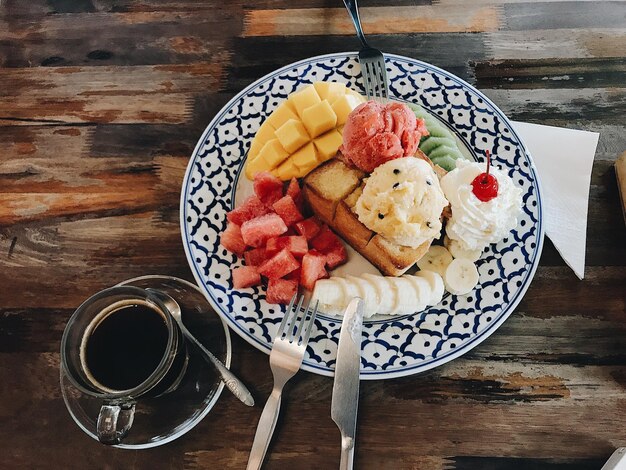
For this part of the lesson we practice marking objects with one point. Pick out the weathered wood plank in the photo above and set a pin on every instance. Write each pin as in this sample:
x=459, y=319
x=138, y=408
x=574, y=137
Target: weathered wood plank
x=256, y=56
x=389, y=20
x=552, y=43
x=564, y=15
x=605, y=105
x=72, y=253
x=138, y=38
x=159, y=93
x=107, y=186
x=550, y=73
x=57, y=26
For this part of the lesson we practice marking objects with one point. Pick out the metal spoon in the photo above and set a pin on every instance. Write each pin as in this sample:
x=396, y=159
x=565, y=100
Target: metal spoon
x=232, y=383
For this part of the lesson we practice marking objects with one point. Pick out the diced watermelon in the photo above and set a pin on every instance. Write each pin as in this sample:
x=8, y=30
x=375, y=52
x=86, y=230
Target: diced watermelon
x=279, y=265
x=250, y=209
x=246, y=276
x=257, y=231
x=288, y=211
x=324, y=240
x=312, y=269
x=296, y=244
x=294, y=275
x=255, y=256
x=281, y=291
x=232, y=240
x=294, y=191
x=268, y=188
x=308, y=227
x=331, y=246
x=336, y=256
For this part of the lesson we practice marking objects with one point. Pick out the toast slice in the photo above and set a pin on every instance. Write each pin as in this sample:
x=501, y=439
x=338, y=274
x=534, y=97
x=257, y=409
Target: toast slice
x=332, y=190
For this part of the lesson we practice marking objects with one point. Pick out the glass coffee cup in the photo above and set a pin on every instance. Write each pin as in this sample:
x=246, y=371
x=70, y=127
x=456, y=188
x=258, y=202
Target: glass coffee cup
x=121, y=345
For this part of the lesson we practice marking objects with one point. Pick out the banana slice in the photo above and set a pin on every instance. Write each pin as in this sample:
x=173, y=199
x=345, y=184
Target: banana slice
x=461, y=276
x=386, y=295
x=422, y=290
x=350, y=289
x=435, y=281
x=406, y=301
x=436, y=259
x=457, y=251
x=367, y=292
x=331, y=296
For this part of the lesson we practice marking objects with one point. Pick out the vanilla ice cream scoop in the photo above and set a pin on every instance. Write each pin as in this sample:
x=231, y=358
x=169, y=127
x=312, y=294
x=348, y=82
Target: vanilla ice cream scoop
x=475, y=223
x=402, y=201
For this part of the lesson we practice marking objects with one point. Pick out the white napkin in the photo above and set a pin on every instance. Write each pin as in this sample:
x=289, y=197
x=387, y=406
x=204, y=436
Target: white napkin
x=563, y=158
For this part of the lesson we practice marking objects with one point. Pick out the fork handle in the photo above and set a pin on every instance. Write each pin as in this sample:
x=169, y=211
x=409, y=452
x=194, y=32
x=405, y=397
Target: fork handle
x=265, y=429
x=353, y=10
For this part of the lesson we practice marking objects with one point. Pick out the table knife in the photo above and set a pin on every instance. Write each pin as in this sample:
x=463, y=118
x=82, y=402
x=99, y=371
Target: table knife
x=345, y=400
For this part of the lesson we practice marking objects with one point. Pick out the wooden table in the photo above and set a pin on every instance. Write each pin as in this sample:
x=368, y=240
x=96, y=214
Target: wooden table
x=101, y=104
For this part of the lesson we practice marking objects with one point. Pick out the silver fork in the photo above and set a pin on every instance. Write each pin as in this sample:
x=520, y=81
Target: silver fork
x=372, y=60
x=285, y=360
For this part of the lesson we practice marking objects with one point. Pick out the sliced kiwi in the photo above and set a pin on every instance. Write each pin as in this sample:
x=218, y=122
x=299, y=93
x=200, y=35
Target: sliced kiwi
x=431, y=143
x=445, y=150
x=440, y=145
x=446, y=162
x=437, y=130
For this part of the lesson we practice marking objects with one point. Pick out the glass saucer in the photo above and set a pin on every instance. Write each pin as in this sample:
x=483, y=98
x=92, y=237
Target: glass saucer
x=163, y=419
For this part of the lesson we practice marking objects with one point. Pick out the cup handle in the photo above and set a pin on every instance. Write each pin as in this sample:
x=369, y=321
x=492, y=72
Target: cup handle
x=114, y=422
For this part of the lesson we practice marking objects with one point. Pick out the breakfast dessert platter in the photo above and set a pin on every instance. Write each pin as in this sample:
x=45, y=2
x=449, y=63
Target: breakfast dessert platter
x=425, y=205
x=366, y=179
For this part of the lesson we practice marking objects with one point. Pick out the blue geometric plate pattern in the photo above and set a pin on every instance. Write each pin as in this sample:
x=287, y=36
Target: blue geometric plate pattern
x=395, y=346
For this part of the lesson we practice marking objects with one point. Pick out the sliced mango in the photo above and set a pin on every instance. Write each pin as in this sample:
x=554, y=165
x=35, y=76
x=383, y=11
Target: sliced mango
x=303, y=171
x=330, y=90
x=305, y=157
x=306, y=128
x=265, y=133
x=319, y=118
x=273, y=153
x=254, y=166
x=304, y=99
x=281, y=115
x=327, y=145
x=343, y=106
x=286, y=171
x=292, y=135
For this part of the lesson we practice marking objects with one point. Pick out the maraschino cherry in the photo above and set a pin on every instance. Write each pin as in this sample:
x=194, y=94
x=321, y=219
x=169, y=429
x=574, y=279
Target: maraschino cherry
x=485, y=185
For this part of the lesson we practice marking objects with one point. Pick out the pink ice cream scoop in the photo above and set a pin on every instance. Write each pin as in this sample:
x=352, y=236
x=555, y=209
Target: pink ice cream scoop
x=376, y=133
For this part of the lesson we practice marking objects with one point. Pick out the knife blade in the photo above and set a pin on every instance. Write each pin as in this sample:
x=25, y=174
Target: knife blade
x=345, y=399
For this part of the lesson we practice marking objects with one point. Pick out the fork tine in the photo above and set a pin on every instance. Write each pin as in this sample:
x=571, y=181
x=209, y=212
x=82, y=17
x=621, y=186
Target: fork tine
x=374, y=76
x=381, y=76
x=307, y=334
x=366, y=79
x=369, y=85
x=283, y=323
x=291, y=334
x=376, y=81
x=299, y=330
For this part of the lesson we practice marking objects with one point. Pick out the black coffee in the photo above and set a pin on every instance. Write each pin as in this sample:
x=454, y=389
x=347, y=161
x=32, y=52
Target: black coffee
x=126, y=346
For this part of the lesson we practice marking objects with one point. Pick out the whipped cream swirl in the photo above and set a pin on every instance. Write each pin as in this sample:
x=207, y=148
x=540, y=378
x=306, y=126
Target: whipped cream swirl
x=474, y=223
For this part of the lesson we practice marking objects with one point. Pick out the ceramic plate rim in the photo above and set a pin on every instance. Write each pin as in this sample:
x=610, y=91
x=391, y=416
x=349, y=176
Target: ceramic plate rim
x=367, y=375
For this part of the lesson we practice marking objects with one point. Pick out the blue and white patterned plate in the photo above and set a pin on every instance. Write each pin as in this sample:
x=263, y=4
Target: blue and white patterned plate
x=395, y=346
